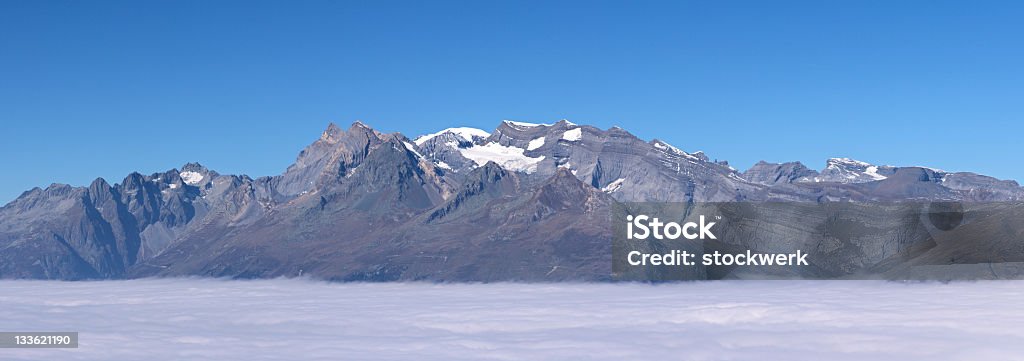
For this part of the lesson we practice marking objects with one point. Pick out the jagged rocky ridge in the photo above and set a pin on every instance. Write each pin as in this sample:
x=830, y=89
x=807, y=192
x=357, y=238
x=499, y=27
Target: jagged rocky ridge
x=524, y=202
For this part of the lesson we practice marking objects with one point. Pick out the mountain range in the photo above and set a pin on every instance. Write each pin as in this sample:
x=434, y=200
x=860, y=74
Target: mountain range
x=524, y=202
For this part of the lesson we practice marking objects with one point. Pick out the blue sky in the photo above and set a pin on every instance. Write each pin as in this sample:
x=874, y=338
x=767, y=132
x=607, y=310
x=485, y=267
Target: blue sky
x=99, y=89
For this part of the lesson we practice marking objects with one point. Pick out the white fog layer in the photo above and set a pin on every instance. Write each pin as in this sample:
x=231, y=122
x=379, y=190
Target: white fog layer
x=307, y=320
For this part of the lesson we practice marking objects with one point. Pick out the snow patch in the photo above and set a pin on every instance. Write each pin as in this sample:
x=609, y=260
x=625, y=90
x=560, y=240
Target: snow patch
x=872, y=171
x=573, y=135
x=191, y=178
x=671, y=149
x=849, y=171
x=444, y=165
x=613, y=186
x=412, y=149
x=568, y=166
x=511, y=158
x=848, y=161
x=172, y=185
x=667, y=147
x=520, y=125
x=463, y=132
x=536, y=143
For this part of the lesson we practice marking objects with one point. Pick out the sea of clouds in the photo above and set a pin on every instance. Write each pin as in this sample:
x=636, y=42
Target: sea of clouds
x=192, y=319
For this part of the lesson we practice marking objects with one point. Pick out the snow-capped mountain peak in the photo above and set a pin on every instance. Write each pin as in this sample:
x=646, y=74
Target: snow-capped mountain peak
x=191, y=178
x=466, y=133
x=846, y=170
x=846, y=162
x=519, y=188
x=524, y=124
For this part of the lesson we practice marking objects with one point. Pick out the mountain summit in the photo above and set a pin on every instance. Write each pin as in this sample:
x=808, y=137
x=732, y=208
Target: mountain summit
x=522, y=202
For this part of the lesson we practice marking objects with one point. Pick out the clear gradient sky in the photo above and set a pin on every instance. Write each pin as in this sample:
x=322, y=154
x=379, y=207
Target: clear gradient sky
x=99, y=89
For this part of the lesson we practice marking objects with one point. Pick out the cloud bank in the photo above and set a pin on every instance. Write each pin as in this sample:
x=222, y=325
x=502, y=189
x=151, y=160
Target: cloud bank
x=171, y=319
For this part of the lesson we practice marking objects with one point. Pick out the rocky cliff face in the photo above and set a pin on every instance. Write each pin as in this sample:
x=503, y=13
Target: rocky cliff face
x=524, y=202
x=96, y=231
x=771, y=174
x=848, y=179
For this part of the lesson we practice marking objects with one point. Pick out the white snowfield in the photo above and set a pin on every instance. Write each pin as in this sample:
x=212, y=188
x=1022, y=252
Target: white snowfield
x=613, y=186
x=672, y=149
x=535, y=143
x=511, y=158
x=463, y=132
x=524, y=124
x=841, y=165
x=191, y=178
x=872, y=171
x=848, y=161
x=412, y=149
x=190, y=319
x=573, y=135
